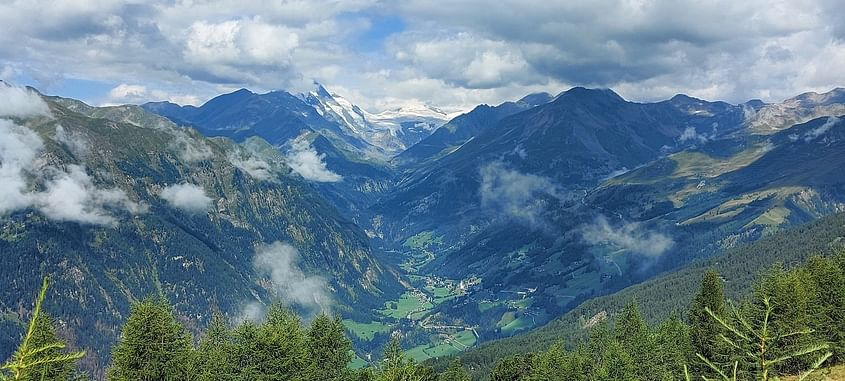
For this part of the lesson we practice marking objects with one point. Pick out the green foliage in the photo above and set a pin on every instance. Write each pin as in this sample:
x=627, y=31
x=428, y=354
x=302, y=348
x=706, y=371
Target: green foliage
x=758, y=347
x=455, y=372
x=328, y=349
x=41, y=354
x=704, y=330
x=152, y=345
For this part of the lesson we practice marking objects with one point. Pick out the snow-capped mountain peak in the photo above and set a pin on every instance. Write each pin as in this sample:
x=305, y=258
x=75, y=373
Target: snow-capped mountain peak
x=393, y=131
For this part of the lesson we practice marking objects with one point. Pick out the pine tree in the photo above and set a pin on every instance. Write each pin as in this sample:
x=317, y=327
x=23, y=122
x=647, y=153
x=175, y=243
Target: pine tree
x=704, y=330
x=674, y=348
x=634, y=337
x=152, y=346
x=214, y=354
x=328, y=349
x=40, y=355
x=829, y=298
x=455, y=372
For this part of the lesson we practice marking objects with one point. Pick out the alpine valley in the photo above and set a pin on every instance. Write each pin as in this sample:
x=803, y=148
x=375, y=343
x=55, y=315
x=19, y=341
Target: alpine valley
x=449, y=231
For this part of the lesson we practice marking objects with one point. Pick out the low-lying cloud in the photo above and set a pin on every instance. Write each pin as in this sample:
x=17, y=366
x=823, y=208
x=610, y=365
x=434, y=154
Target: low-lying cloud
x=187, y=197
x=188, y=149
x=690, y=134
x=253, y=166
x=21, y=102
x=74, y=142
x=820, y=130
x=278, y=263
x=630, y=236
x=67, y=194
x=515, y=195
x=305, y=160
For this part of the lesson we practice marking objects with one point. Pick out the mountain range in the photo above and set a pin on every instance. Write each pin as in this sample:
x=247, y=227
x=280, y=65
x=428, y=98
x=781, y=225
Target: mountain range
x=445, y=229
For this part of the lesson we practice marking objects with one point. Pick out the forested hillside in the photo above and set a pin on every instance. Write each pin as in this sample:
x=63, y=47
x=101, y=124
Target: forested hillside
x=671, y=293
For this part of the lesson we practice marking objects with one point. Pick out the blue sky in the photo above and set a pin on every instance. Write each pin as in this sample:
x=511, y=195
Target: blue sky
x=383, y=54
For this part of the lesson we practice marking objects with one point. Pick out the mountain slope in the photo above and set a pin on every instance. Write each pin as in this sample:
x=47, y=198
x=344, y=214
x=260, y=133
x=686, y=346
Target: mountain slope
x=659, y=297
x=464, y=127
x=391, y=131
x=172, y=213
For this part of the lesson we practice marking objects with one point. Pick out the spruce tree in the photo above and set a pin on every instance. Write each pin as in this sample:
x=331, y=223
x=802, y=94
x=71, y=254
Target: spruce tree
x=515, y=368
x=152, y=345
x=215, y=353
x=704, y=330
x=328, y=349
x=455, y=372
x=634, y=337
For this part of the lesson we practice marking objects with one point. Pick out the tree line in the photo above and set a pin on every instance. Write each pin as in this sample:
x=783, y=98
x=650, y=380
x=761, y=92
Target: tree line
x=792, y=323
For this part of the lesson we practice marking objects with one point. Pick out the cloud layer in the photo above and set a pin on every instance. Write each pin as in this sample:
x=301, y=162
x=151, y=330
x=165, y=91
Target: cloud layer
x=380, y=53
x=188, y=197
x=60, y=194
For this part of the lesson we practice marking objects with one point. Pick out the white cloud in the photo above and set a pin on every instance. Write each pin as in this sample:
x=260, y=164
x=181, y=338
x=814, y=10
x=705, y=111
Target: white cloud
x=188, y=197
x=137, y=94
x=304, y=160
x=19, y=148
x=72, y=196
x=690, y=134
x=20, y=102
x=188, y=148
x=74, y=142
x=452, y=56
x=68, y=194
x=820, y=130
x=631, y=236
x=512, y=194
x=253, y=166
x=278, y=261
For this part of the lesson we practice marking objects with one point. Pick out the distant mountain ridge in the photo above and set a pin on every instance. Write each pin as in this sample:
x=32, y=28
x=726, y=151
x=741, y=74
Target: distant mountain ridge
x=393, y=130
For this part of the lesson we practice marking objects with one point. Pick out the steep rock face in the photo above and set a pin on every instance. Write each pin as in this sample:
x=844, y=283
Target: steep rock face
x=772, y=118
x=123, y=204
x=392, y=131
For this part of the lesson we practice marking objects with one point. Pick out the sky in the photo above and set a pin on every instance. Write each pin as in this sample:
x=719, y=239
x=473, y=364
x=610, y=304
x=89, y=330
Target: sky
x=454, y=54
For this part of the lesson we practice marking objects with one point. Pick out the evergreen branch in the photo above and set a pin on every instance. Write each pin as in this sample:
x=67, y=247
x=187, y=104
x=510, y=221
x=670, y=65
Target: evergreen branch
x=800, y=352
x=725, y=324
x=815, y=366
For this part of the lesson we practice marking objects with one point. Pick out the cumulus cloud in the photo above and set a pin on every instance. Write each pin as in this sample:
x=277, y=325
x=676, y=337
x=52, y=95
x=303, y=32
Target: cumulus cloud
x=820, y=130
x=644, y=50
x=304, y=160
x=631, y=236
x=72, y=196
x=19, y=148
x=65, y=194
x=278, y=262
x=20, y=102
x=188, y=197
x=515, y=195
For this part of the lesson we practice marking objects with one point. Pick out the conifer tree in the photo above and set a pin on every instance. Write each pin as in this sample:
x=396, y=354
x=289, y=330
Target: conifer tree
x=455, y=372
x=328, y=349
x=515, y=368
x=40, y=355
x=704, y=330
x=634, y=337
x=152, y=346
x=214, y=354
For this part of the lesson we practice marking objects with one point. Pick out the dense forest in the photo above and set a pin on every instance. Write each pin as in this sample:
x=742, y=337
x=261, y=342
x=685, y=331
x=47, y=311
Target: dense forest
x=791, y=323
